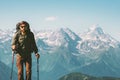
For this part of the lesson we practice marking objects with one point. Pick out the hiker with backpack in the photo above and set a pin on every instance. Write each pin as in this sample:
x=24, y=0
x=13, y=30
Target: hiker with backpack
x=23, y=43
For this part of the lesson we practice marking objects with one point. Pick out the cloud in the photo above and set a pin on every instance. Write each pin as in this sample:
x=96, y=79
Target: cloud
x=51, y=18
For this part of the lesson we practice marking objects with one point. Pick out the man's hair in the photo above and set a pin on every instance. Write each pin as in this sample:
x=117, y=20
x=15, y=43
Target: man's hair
x=23, y=22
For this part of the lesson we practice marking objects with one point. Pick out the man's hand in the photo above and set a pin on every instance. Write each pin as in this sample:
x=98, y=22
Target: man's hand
x=13, y=47
x=37, y=55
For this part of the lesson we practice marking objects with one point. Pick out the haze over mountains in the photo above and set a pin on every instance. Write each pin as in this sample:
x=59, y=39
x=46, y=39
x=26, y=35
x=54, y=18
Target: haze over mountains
x=63, y=51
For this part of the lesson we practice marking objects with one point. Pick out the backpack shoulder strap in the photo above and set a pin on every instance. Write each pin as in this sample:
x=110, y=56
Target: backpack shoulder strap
x=15, y=39
x=17, y=36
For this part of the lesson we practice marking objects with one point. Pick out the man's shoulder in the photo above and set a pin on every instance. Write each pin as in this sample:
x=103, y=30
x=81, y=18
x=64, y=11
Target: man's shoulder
x=17, y=33
x=31, y=34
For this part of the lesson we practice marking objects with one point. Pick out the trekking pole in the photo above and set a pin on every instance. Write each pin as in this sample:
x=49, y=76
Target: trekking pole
x=37, y=69
x=12, y=65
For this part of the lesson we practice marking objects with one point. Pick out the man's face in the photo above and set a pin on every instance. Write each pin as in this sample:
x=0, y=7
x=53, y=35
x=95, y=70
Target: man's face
x=22, y=27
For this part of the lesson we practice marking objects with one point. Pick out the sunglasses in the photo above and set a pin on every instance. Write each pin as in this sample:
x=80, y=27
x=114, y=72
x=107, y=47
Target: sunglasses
x=22, y=26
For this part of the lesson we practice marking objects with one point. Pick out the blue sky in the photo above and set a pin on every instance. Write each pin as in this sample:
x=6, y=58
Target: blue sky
x=78, y=15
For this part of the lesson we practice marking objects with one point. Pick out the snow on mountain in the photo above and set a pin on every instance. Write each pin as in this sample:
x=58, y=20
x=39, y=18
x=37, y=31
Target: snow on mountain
x=71, y=55
x=70, y=52
x=96, y=38
x=53, y=39
x=58, y=37
x=4, y=36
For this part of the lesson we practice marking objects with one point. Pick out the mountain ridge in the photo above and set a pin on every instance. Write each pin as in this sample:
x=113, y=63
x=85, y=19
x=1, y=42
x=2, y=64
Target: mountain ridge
x=65, y=51
x=79, y=76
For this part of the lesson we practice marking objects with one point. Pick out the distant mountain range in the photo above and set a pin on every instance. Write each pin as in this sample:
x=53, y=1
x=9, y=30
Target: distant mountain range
x=5, y=72
x=63, y=51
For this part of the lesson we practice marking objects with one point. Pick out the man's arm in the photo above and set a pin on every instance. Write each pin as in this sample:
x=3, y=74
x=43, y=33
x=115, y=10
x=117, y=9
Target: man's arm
x=34, y=46
x=14, y=41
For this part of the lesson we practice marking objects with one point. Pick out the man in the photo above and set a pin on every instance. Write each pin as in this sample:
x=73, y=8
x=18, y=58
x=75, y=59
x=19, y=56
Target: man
x=23, y=43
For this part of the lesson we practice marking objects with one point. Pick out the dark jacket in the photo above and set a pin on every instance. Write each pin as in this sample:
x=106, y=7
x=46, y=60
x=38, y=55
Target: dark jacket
x=24, y=43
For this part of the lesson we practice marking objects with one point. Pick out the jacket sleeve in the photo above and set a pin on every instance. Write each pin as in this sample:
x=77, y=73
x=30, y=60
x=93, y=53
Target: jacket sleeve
x=34, y=46
x=14, y=39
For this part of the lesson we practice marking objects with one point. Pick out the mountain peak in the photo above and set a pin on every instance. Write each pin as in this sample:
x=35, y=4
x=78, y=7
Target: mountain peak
x=70, y=33
x=95, y=32
x=96, y=29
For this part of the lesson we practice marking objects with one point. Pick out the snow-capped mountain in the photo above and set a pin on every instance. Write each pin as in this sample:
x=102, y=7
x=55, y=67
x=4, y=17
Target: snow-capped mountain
x=96, y=39
x=58, y=37
x=62, y=51
x=4, y=36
